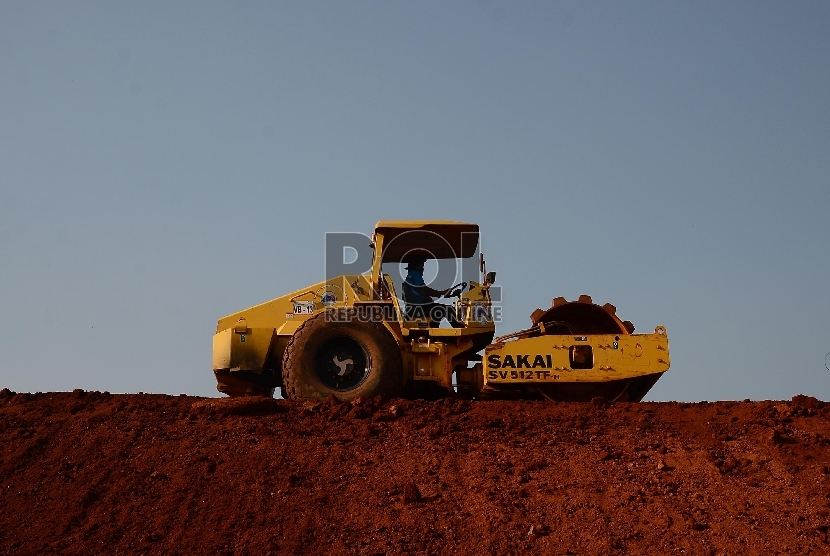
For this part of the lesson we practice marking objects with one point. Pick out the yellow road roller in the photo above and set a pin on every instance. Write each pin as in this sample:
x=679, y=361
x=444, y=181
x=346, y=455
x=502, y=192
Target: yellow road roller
x=367, y=335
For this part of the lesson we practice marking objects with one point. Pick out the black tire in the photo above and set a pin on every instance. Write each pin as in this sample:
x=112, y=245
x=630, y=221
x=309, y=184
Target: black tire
x=332, y=353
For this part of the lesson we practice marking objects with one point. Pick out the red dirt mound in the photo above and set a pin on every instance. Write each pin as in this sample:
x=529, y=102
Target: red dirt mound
x=94, y=473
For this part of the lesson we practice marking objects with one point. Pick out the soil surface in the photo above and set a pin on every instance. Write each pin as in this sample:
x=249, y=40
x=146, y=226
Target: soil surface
x=95, y=473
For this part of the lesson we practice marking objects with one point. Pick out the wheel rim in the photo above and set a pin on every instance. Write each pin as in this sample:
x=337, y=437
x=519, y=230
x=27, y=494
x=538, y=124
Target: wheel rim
x=342, y=364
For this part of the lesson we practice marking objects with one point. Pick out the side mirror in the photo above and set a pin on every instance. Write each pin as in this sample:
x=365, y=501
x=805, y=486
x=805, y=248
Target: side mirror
x=490, y=278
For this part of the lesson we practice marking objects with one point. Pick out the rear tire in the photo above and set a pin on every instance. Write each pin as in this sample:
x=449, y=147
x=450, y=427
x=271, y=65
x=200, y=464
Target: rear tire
x=333, y=353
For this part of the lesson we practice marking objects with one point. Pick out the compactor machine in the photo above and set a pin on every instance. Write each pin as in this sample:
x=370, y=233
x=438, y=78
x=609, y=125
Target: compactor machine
x=352, y=336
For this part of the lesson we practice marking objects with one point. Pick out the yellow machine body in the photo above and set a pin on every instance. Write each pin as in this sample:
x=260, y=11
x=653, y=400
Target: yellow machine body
x=554, y=359
x=596, y=349
x=615, y=366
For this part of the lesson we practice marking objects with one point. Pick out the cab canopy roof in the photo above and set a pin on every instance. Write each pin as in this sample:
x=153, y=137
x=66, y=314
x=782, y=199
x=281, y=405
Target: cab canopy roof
x=432, y=239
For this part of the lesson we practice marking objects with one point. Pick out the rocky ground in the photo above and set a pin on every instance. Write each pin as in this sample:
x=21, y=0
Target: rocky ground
x=95, y=473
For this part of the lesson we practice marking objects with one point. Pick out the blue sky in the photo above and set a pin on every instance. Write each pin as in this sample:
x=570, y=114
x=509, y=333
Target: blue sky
x=163, y=164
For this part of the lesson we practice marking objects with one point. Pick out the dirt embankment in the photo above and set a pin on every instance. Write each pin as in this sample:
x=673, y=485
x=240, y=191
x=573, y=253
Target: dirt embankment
x=94, y=473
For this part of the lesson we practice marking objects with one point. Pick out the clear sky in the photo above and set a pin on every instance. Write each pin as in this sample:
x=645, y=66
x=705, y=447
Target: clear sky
x=163, y=164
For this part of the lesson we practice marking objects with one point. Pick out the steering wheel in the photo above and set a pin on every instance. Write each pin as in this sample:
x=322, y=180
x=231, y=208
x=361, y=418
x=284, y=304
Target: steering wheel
x=456, y=292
